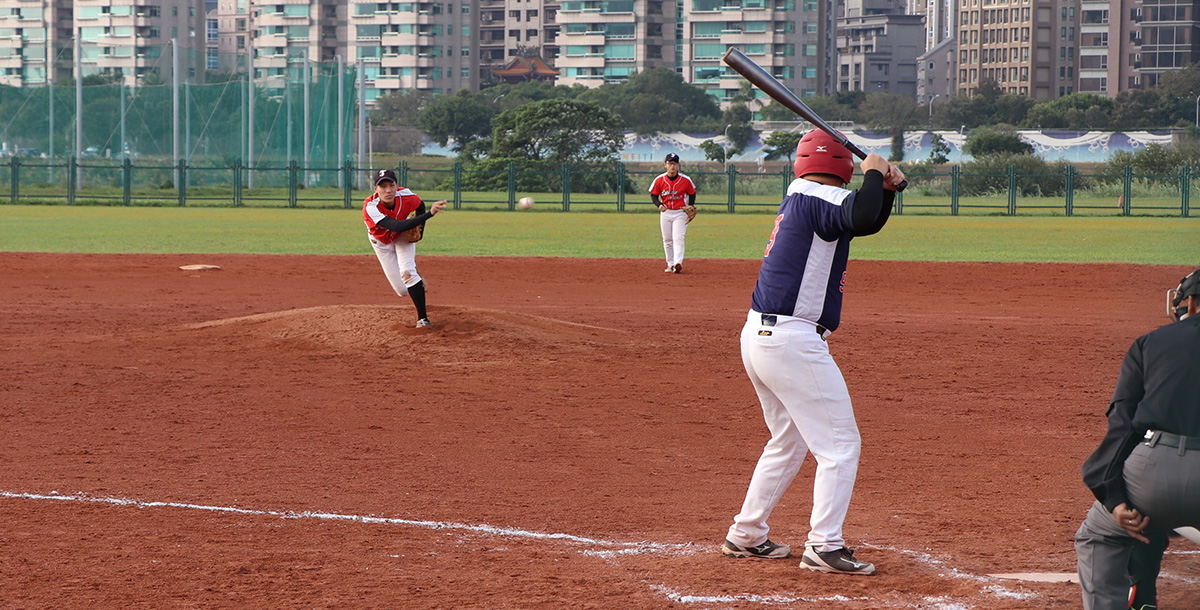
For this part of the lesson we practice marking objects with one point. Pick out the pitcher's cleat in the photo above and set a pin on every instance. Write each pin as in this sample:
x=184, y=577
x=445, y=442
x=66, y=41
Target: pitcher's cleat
x=837, y=561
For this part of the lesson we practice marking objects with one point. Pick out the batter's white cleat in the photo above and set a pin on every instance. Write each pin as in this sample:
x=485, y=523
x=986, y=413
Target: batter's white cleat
x=669, y=269
x=838, y=561
x=423, y=322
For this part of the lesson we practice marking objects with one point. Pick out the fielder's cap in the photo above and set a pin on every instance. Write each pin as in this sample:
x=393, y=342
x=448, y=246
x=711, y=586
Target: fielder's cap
x=671, y=157
x=385, y=174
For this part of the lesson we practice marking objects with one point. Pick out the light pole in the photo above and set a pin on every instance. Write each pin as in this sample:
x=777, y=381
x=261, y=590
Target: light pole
x=1198, y=110
x=725, y=149
x=935, y=96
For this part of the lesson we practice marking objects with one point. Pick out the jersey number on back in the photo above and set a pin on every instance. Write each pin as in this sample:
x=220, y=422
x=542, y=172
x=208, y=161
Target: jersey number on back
x=775, y=231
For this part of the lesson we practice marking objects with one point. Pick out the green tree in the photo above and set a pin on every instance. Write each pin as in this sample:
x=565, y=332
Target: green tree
x=938, y=150
x=1069, y=111
x=462, y=118
x=400, y=107
x=713, y=151
x=781, y=144
x=987, y=141
x=1138, y=109
x=893, y=113
x=558, y=130
x=657, y=100
x=1184, y=82
x=740, y=132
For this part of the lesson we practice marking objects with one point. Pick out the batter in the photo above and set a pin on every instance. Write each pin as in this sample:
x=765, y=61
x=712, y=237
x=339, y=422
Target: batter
x=797, y=303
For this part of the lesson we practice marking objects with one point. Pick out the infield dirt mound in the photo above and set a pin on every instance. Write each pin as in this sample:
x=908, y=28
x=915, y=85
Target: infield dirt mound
x=383, y=329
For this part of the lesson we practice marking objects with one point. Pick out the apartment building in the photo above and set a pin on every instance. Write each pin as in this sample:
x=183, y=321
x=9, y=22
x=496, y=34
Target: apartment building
x=428, y=46
x=32, y=35
x=794, y=40
x=878, y=47
x=511, y=28
x=607, y=40
x=1027, y=47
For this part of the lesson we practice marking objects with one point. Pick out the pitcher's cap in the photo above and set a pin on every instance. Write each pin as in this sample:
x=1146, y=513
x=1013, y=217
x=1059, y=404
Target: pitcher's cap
x=671, y=157
x=385, y=174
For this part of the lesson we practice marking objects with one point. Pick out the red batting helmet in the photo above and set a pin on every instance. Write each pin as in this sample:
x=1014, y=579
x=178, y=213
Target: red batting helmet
x=818, y=153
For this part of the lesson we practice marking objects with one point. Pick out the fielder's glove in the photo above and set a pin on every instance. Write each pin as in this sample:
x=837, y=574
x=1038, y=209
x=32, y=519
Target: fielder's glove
x=690, y=210
x=414, y=234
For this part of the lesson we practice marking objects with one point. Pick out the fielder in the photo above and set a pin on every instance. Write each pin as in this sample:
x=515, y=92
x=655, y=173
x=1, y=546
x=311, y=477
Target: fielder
x=797, y=303
x=675, y=195
x=1146, y=472
x=393, y=235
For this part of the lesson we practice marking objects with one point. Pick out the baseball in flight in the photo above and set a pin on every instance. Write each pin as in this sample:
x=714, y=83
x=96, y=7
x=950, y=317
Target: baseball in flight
x=525, y=203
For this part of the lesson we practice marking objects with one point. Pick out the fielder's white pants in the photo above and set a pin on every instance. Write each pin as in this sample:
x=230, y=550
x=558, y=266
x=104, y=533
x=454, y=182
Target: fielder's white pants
x=807, y=408
x=674, y=226
x=399, y=262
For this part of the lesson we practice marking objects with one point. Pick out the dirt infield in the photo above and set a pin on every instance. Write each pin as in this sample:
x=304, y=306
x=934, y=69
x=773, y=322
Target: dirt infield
x=569, y=434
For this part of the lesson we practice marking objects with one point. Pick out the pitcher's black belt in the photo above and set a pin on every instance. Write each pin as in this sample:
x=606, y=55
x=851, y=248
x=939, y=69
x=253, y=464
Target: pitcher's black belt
x=1166, y=439
x=769, y=319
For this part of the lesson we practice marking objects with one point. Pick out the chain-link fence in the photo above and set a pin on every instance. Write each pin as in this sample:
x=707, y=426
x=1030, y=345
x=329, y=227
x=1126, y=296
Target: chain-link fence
x=567, y=187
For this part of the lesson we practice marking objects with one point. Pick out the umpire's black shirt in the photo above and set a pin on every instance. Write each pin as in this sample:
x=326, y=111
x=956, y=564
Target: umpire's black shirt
x=1158, y=389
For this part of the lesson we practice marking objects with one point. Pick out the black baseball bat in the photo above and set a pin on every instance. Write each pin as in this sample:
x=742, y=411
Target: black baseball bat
x=777, y=91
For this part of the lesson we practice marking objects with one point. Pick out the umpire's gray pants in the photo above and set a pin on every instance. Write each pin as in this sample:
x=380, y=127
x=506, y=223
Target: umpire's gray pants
x=1164, y=484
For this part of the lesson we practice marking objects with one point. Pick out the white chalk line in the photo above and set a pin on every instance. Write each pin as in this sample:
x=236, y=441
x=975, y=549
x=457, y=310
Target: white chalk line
x=609, y=549
x=625, y=547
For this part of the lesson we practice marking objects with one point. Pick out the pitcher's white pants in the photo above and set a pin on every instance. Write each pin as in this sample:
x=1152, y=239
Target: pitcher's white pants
x=807, y=408
x=674, y=227
x=399, y=262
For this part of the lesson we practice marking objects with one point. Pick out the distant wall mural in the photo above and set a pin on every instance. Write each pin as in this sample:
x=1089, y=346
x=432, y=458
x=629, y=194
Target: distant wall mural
x=1051, y=144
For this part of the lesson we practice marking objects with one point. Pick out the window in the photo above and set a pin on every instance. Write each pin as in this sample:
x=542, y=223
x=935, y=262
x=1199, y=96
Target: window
x=810, y=50
x=514, y=34
x=531, y=34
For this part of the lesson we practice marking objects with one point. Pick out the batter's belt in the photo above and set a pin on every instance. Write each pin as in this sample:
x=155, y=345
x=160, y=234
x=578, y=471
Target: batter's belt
x=770, y=319
x=1166, y=439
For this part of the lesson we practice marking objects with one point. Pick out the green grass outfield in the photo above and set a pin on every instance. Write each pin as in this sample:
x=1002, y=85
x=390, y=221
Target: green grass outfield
x=1140, y=240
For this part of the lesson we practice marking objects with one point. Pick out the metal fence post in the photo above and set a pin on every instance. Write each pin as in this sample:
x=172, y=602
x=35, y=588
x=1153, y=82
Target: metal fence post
x=181, y=187
x=1185, y=188
x=293, y=183
x=1127, y=179
x=14, y=185
x=403, y=173
x=1070, y=203
x=512, y=185
x=566, y=187
x=237, y=183
x=621, y=188
x=72, y=179
x=126, y=181
x=458, y=185
x=347, y=175
x=1012, y=190
x=732, y=188
x=955, y=177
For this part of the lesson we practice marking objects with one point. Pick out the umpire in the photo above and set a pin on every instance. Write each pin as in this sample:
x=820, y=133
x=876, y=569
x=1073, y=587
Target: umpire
x=1146, y=472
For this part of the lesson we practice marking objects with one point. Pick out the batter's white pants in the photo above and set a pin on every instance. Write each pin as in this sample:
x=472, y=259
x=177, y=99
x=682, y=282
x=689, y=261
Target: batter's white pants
x=807, y=408
x=399, y=262
x=674, y=227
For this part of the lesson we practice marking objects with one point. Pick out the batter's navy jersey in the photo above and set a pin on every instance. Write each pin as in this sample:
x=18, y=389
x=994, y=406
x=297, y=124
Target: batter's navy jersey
x=804, y=265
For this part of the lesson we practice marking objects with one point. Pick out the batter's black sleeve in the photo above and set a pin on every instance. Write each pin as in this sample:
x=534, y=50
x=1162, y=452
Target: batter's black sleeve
x=868, y=208
x=654, y=200
x=692, y=199
x=1103, y=472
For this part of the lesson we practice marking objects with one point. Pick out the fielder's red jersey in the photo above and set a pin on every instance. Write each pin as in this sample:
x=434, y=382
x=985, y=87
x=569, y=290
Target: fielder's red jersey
x=673, y=193
x=374, y=211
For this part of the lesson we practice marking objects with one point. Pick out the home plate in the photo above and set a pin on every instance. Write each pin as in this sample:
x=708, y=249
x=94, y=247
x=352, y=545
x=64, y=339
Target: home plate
x=1039, y=577
x=199, y=267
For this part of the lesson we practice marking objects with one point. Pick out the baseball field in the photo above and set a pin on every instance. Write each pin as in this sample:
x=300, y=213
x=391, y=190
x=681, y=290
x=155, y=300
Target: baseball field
x=575, y=430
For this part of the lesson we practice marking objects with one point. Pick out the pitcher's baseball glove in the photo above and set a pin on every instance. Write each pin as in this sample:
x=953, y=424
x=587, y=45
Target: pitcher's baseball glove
x=690, y=210
x=414, y=234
